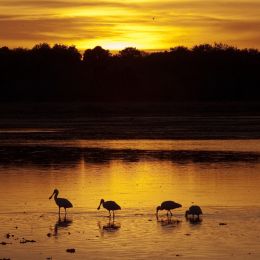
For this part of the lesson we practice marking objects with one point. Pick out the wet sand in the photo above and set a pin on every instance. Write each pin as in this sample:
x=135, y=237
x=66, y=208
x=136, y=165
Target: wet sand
x=222, y=233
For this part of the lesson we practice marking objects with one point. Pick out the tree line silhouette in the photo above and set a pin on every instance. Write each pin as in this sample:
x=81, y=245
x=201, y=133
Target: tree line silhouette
x=61, y=73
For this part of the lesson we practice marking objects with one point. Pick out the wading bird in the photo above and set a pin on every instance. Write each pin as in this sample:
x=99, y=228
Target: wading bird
x=193, y=210
x=61, y=203
x=168, y=205
x=110, y=206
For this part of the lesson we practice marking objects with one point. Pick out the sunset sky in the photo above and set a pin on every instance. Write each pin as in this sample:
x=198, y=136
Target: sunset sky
x=116, y=24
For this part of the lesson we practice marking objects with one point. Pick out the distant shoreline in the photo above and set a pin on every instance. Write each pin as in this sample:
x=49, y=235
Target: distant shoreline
x=59, y=110
x=178, y=121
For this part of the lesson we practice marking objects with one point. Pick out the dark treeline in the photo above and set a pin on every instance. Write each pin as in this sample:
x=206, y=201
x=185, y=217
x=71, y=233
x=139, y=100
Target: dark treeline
x=61, y=73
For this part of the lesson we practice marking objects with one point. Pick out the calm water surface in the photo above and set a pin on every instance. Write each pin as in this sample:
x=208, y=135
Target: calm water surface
x=223, y=177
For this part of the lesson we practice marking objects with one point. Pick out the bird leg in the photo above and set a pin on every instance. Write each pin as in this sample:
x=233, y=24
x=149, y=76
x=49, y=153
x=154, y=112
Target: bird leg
x=59, y=211
x=113, y=214
x=171, y=213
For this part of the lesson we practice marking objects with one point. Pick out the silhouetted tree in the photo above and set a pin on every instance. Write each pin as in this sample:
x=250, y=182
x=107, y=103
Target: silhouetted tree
x=41, y=47
x=66, y=53
x=97, y=55
x=130, y=52
x=205, y=72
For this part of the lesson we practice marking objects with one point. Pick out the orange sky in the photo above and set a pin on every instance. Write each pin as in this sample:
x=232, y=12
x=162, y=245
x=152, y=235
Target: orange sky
x=116, y=24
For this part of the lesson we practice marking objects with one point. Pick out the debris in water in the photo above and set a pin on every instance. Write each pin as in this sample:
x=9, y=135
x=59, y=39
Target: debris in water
x=71, y=250
x=4, y=243
x=222, y=224
x=49, y=235
x=23, y=241
x=8, y=235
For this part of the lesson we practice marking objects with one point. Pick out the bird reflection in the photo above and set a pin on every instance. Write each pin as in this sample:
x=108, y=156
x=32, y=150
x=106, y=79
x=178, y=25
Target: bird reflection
x=193, y=220
x=61, y=224
x=168, y=221
x=111, y=226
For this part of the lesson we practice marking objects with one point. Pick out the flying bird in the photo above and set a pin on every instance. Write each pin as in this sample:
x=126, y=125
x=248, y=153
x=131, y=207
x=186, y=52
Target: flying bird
x=193, y=210
x=61, y=203
x=168, y=205
x=110, y=206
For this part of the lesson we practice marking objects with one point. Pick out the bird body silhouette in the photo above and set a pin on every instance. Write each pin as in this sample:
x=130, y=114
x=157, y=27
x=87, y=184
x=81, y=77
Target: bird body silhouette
x=109, y=205
x=193, y=210
x=61, y=202
x=168, y=205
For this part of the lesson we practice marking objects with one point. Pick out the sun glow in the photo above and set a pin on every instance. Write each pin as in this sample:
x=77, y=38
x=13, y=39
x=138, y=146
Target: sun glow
x=143, y=24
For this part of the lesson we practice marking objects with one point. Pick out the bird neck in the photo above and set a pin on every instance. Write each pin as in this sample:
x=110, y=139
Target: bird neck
x=101, y=203
x=55, y=196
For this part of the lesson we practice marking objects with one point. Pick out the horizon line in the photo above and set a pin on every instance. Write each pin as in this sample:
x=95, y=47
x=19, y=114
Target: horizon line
x=140, y=49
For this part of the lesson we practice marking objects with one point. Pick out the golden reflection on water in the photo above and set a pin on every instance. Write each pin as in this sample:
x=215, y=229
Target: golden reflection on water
x=141, y=185
x=227, y=191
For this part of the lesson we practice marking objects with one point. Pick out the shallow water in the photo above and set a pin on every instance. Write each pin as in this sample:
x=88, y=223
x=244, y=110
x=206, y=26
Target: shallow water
x=222, y=177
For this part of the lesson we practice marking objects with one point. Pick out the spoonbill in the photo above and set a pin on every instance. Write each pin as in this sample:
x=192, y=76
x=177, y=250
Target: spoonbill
x=168, y=205
x=61, y=203
x=109, y=205
x=193, y=210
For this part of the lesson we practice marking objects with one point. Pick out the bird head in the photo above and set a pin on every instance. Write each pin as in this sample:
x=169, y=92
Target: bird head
x=187, y=213
x=54, y=192
x=101, y=202
x=178, y=205
x=158, y=208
